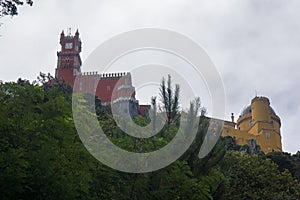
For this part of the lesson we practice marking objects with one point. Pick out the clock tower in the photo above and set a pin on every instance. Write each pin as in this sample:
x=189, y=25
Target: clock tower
x=68, y=58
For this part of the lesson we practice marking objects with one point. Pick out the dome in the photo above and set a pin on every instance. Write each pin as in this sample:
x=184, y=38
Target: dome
x=272, y=110
x=246, y=110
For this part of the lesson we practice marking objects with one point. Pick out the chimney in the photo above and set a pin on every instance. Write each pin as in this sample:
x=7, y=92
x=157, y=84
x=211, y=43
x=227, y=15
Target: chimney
x=232, y=117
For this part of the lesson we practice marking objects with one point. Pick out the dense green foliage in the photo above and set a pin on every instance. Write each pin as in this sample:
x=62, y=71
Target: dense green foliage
x=286, y=161
x=42, y=157
x=253, y=177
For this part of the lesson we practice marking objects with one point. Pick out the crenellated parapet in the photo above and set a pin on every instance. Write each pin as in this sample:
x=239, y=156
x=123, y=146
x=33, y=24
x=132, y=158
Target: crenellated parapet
x=105, y=75
x=89, y=73
x=260, y=99
x=113, y=75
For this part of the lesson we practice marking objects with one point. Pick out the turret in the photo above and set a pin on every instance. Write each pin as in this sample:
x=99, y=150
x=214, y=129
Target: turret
x=68, y=58
x=261, y=110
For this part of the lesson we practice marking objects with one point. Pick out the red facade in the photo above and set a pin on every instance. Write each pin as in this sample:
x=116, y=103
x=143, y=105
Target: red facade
x=109, y=87
x=144, y=109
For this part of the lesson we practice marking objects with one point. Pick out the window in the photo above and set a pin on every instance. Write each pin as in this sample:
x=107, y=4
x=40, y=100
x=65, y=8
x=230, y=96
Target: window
x=250, y=123
x=75, y=60
x=67, y=59
x=272, y=124
x=69, y=45
x=80, y=86
x=108, y=88
x=269, y=148
x=268, y=135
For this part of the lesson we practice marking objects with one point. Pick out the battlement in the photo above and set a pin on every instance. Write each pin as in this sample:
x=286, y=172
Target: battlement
x=114, y=75
x=105, y=75
x=89, y=73
x=261, y=98
x=70, y=37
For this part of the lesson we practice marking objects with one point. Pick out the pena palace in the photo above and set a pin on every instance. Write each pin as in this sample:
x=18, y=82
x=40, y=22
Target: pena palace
x=257, y=123
x=108, y=87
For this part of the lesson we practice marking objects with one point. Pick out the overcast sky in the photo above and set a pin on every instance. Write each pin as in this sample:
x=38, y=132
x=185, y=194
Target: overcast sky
x=255, y=44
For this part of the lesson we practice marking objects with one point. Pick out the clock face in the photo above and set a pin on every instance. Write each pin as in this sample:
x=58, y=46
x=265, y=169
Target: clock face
x=69, y=45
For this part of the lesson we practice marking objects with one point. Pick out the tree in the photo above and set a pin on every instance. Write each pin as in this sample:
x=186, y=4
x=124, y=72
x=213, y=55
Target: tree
x=253, y=177
x=41, y=154
x=230, y=143
x=10, y=7
x=42, y=157
x=286, y=161
x=153, y=111
x=170, y=100
x=178, y=182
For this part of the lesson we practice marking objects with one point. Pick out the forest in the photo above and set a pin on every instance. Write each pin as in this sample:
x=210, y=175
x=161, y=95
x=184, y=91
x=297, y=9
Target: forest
x=42, y=156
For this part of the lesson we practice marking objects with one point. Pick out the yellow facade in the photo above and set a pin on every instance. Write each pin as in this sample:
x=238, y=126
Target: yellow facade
x=258, y=121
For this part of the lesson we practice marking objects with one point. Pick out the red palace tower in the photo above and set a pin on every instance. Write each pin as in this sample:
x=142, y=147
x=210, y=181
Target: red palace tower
x=109, y=87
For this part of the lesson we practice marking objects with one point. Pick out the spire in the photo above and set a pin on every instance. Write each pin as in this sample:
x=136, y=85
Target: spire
x=62, y=35
x=69, y=32
x=77, y=34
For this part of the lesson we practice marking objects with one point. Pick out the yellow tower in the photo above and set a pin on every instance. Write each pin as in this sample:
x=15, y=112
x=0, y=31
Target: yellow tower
x=257, y=121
